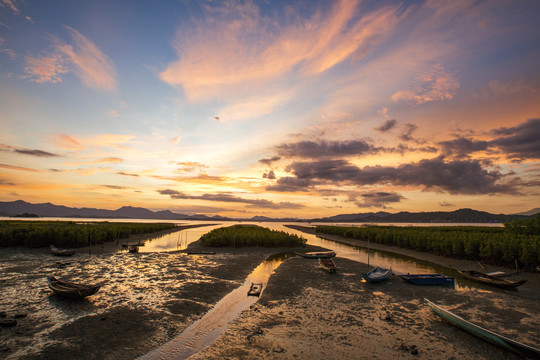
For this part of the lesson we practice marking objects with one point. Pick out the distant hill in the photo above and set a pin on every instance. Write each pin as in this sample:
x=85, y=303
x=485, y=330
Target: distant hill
x=14, y=208
x=18, y=207
x=530, y=212
x=457, y=216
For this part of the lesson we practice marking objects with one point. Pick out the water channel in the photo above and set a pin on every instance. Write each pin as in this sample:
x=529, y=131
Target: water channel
x=204, y=331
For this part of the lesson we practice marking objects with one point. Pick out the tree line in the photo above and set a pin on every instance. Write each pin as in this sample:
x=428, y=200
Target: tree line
x=34, y=234
x=518, y=241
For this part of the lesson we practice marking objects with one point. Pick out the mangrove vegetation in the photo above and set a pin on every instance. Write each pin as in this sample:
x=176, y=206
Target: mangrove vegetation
x=250, y=235
x=517, y=241
x=35, y=234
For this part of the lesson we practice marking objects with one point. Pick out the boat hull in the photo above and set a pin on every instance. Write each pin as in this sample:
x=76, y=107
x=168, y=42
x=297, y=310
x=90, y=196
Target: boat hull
x=491, y=280
x=428, y=279
x=317, y=255
x=328, y=265
x=484, y=334
x=377, y=274
x=71, y=290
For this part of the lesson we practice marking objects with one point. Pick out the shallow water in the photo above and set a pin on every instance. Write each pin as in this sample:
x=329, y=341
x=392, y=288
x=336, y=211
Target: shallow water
x=204, y=331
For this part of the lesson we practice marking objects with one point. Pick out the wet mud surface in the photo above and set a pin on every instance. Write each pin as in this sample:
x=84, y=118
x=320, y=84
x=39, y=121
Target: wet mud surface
x=149, y=298
x=146, y=299
x=306, y=313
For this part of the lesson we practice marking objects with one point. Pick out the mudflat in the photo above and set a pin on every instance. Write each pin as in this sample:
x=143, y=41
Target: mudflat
x=304, y=312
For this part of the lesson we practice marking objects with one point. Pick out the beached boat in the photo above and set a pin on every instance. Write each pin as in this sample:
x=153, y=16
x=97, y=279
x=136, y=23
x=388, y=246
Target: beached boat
x=328, y=265
x=484, y=334
x=377, y=274
x=255, y=289
x=317, y=255
x=428, y=279
x=61, y=252
x=71, y=289
x=492, y=280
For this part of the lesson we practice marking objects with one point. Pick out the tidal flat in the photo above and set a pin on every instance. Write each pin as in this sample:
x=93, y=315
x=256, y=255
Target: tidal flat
x=148, y=299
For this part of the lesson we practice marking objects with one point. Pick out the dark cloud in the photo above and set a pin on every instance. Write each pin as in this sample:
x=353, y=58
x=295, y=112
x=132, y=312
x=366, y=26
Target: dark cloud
x=223, y=197
x=520, y=142
x=38, y=153
x=462, y=147
x=116, y=187
x=455, y=177
x=290, y=184
x=407, y=133
x=127, y=174
x=314, y=150
x=269, y=161
x=376, y=199
x=270, y=175
x=388, y=124
x=446, y=204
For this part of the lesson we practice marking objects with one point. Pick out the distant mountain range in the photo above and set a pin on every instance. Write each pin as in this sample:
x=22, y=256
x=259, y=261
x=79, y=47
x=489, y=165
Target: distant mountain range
x=24, y=209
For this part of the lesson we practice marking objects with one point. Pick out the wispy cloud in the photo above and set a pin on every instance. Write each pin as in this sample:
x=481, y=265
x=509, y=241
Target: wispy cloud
x=46, y=69
x=81, y=57
x=435, y=85
x=236, y=47
x=31, y=152
x=10, y=5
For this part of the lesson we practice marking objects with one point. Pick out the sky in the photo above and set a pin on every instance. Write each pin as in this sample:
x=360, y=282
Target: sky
x=273, y=108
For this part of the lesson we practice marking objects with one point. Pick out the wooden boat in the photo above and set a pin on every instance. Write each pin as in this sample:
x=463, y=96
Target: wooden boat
x=71, y=289
x=487, y=279
x=377, y=274
x=428, y=279
x=484, y=334
x=61, y=252
x=317, y=255
x=255, y=289
x=328, y=265
x=201, y=253
x=133, y=248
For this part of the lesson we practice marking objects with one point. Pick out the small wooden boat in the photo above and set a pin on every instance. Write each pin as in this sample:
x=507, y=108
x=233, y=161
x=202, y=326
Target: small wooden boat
x=484, y=334
x=317, y=255
x=201, y=253
x=328, y=265
x=377, y=274
x=71, y=289
x=428, y=279
x=488, y=279
x=61, y=252
x=255, y=289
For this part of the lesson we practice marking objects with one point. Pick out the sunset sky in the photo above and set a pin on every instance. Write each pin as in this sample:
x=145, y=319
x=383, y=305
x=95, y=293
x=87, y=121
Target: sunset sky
x=274, y=108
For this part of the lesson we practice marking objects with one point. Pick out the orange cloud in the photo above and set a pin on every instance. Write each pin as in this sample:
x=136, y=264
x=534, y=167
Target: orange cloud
x=67, y=142
x=45, y=69
x=435, y=85
x=82, y=57
x=19, y=168
x=253, y=51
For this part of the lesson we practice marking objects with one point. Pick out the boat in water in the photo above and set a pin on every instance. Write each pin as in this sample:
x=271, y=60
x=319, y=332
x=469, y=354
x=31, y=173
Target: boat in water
x=255, y=289
x=317, y=255
x=61, y=252
x=328, y=265
x=70, y=289
x=428, y=279
x=490, y=279
x=377, y=274
x=487, y=335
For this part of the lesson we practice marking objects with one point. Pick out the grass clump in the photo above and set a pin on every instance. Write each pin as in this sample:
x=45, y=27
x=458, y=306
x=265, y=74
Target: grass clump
x=250, y=235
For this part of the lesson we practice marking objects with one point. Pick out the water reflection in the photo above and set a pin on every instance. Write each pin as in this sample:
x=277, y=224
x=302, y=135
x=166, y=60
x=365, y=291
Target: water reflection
x=203, y=332
x=178, y=240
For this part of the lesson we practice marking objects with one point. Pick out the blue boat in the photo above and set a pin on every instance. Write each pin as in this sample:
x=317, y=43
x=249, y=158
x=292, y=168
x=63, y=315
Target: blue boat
x=428, y=279
x=377, y=274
